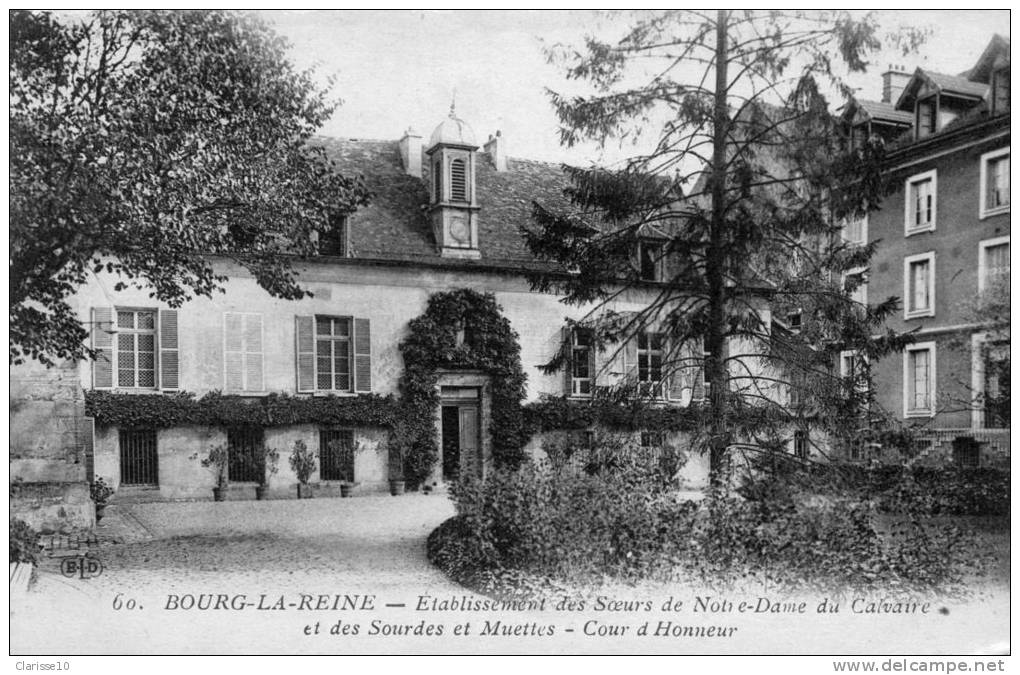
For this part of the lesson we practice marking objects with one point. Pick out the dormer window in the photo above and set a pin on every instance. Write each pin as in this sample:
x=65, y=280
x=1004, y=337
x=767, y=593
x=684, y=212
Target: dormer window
x=334, y=239
x=458, y=181
x=927, y=117
x=1000, y=90
x=650, y=260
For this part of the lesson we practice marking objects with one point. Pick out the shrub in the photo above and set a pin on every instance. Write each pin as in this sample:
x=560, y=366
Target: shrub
x=24, y=542
x=99, y=491
x=623, y=522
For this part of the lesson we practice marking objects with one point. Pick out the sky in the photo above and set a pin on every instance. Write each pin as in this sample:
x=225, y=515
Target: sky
x=402, y=68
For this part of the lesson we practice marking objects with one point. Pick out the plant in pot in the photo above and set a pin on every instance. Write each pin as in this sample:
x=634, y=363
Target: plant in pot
x=400, y=441
x=216, y=459
x=100, y=493
x=302, y=462
x=269, y=459
x=344, y=453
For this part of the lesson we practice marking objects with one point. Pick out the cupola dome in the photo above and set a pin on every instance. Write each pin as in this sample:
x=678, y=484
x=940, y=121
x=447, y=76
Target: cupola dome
x=453, y=131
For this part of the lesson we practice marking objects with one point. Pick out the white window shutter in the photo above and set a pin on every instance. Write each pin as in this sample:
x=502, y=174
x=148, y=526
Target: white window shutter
x=678, y=369
x=630, y=360
x=169, y=351
x=362, y=356
x=700, y=392
x=305, y=341
x=88, y=442
x=568, y=345
x=253, y=360
x=102, y=342
x=233, y=351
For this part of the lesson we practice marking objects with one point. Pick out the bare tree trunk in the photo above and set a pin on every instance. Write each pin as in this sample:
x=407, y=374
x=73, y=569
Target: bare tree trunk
x=715, y=365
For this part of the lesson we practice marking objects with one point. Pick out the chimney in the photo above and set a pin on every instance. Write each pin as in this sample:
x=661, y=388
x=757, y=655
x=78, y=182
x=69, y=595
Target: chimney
x=410, y=153
x=496, y=148
x=894, y=81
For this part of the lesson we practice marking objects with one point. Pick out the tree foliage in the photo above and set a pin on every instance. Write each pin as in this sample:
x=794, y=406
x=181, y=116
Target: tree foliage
x=745, y=189
x=144, y=142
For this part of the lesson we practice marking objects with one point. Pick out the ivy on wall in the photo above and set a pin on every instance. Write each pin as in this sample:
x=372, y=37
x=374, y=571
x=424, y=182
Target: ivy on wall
x=490, y=345
x=563, y=414
x=160, y=411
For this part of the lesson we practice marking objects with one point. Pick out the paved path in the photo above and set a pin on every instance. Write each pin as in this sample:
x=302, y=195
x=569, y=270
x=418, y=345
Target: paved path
x=247, y=555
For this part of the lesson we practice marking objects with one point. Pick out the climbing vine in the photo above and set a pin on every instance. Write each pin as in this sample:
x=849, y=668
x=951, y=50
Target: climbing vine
x=562, y=414
x=490, y=345
x=216, y=409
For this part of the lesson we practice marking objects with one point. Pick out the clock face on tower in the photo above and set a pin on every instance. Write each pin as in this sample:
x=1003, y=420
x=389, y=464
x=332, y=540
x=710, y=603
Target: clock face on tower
x=460, y=231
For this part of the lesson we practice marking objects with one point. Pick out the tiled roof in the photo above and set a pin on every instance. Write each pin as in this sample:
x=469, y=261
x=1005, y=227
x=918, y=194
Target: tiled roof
x=395, y=225
x=878, y=110
x=959, y=85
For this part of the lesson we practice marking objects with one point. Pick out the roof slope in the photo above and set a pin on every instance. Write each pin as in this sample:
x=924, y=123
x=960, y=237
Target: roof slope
x=395, y=224
x=879, y=110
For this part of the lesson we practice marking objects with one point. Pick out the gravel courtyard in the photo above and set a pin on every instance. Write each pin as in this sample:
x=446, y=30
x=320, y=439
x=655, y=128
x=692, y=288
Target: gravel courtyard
x=272, y=578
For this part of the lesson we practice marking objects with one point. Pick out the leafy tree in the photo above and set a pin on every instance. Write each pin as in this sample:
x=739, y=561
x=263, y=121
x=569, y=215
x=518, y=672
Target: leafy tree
x=744, y=192
x=147, y=143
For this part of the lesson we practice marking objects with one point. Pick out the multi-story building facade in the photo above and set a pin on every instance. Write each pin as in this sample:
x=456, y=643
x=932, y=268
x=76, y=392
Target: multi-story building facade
x=443, y=216
x=943, y=248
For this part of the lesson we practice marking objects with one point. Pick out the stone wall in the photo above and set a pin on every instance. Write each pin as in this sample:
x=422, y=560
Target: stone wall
x=49, y=489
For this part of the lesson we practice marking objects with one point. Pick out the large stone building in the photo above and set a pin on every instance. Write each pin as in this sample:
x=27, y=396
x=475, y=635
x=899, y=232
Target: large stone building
x=943, y=249
x=444, y=215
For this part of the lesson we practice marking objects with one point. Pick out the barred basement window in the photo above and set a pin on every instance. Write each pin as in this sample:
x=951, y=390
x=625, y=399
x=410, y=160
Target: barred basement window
x=245, y=462
x=458, y=181
x=139, y=464
x=336, y=454
x=651, y=439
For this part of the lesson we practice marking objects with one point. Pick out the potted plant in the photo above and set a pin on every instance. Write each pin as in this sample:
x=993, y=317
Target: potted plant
x=302, y=462
x=270, y=459
x=100, y=493
x=399, y=441
x=216, y=459
x=345, y=453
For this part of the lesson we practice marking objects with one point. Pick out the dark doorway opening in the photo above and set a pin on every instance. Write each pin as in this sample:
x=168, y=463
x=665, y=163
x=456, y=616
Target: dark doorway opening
x=451, y=442
x=461, y=430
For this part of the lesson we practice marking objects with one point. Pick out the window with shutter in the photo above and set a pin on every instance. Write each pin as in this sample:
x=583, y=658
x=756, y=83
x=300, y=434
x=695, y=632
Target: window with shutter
x=332, y=353
x=458, y=181
x=242, y=352
x=136, y=349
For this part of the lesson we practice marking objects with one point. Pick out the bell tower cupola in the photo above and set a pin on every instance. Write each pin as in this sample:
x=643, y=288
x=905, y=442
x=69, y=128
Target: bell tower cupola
x=453, y=206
